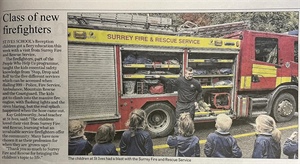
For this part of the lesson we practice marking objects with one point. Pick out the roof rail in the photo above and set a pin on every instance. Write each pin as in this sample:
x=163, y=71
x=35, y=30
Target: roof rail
x=127, y=21
x=219, y=30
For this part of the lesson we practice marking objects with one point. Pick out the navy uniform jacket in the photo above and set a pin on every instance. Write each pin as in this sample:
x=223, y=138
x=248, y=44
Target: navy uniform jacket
x=107, y=148
x=139, y=145
x=222, y=145
x=290, y=148
x=266, y=147
x=79, y=146
x=186, y=146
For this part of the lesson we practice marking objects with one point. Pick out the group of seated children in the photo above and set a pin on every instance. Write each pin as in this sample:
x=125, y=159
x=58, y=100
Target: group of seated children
x=136, y=141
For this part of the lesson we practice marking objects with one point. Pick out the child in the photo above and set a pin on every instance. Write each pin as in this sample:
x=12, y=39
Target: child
x=78, y=144
x=290, y=147
x=104, y=138
x=267, y=143
x=186, y=144
x=136, y=141
x=220, y=143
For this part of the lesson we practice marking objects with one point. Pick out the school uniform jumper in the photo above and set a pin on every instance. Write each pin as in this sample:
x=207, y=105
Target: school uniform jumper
x=266, y=147
x=107, y=148
x=185, y=146
x=223, y=145
x=138, y=145
x=290, y=148
x=79, y=146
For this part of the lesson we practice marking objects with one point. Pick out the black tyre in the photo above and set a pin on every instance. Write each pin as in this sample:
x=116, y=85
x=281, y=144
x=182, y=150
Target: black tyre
x=160, y=118
x=284, y=107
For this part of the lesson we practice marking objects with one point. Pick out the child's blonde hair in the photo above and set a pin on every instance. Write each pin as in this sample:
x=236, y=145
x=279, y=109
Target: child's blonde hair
x=105, y=133
x=76, y=128
x=136, y=121
x=223, y=123
x=266, y=124
x=185, y=125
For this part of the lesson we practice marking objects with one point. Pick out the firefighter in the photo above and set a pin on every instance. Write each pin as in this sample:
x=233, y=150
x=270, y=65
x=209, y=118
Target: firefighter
x=189, y=93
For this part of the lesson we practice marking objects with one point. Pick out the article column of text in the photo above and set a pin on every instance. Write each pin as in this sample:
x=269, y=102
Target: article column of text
x=32, y=105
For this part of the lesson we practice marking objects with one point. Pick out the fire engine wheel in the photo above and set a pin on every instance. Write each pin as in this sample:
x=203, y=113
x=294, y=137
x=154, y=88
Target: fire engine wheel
x=160, y=118
x=284, y=107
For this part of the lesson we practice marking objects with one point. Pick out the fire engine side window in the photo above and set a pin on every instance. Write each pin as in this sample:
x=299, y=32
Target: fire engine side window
x=266, y=50
x=296, y=52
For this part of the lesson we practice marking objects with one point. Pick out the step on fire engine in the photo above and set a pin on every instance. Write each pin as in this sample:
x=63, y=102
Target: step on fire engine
x=114, y=57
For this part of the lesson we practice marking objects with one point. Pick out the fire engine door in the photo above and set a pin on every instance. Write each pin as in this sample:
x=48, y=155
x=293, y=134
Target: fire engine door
x=267, y=64
x=92, y=82
x=287, y=70
x=294, y=63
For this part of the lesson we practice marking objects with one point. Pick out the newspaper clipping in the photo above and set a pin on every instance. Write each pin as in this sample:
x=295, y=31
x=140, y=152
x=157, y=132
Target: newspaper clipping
x=162, y=84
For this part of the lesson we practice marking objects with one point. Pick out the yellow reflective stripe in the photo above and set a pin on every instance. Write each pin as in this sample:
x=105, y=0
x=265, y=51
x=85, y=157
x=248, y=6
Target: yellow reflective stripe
x=280, y=80
x=214, y=112
x=197, y=60
x=245, y=82
x=170, y=76
x=201, y=113
x=221, y=111
x=225, y=61
x=151, y=66
x=217, y=86
x=229, y=75
x=129, y=76
x=141, y=76
x=169, y=66
x=208, y=61
x=130, y=38
x=134, y=65
x=264, y=70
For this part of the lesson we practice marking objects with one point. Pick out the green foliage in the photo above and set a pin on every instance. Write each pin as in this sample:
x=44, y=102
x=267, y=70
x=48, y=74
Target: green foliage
x=260, y=21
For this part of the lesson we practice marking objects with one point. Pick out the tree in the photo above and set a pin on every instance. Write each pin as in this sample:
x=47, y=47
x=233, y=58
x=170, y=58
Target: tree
x=278, y=22
x=261, y=21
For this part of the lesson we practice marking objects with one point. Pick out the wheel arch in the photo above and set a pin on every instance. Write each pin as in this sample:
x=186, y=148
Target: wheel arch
x=148, y=103
x=292, y=89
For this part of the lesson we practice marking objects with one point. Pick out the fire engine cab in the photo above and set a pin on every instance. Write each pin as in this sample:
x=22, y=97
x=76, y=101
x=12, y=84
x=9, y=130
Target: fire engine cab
x=113, y=59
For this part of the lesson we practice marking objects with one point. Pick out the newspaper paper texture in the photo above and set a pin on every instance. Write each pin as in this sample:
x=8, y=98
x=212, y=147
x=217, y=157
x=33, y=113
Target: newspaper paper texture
x=36, y=73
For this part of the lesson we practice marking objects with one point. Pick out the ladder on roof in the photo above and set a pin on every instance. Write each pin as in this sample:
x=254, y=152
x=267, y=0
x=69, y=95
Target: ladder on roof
x=127, y=21
x=219, y=30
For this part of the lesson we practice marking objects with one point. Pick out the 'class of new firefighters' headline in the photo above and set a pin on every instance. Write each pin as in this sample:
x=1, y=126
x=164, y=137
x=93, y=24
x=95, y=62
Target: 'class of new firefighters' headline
x=27, y=29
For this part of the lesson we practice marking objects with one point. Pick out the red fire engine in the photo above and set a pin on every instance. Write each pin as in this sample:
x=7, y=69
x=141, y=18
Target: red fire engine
x=114, y=57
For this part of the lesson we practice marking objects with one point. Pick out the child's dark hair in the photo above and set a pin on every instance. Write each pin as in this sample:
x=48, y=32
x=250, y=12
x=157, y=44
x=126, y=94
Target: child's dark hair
x=190, y=69
x=186, y=125
x=105, y=133
x=136, y=121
